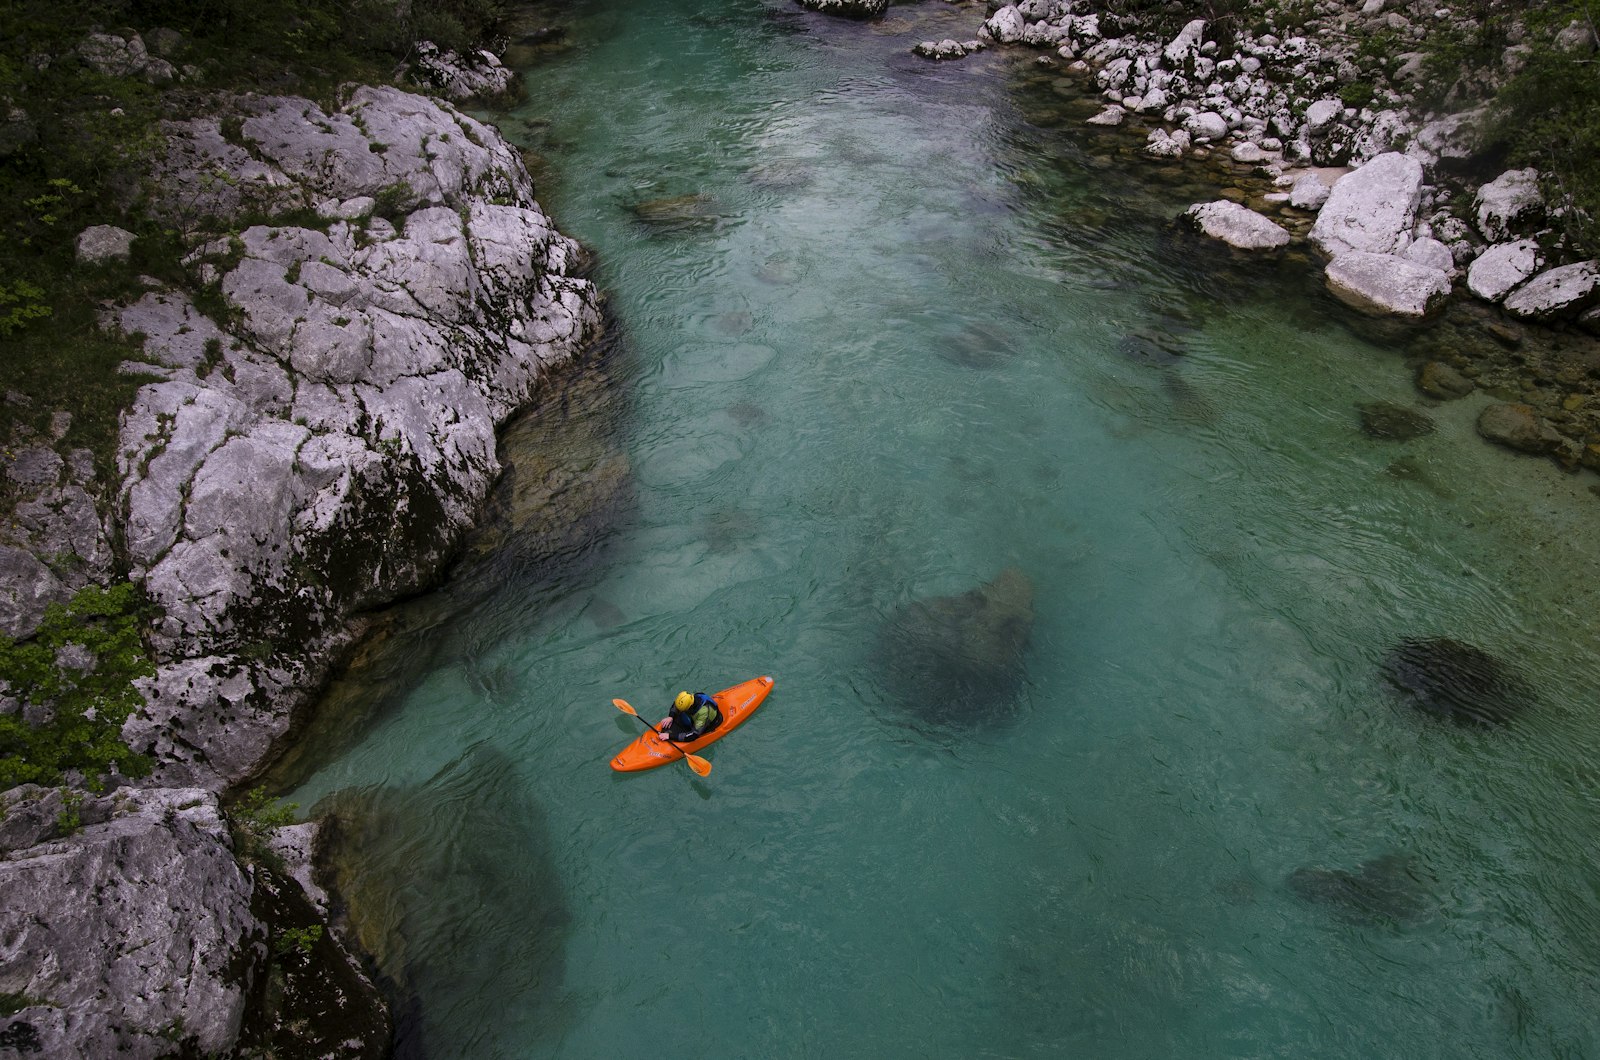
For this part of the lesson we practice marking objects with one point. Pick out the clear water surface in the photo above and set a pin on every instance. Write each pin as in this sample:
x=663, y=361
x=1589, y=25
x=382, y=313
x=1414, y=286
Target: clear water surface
x=926, y=337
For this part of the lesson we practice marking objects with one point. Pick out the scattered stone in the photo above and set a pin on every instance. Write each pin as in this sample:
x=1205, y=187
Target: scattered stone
x=858, y=9
x=1432, y=254
x=99, y=244
x=1393, y=423
x=1309, y=192
x=1439, y=380
x=1206, y=127
x=1237, y=226
x=478, y=75
x=1502, y=268
x=1519, y=427
x=1451, y=679
x=944, y=49
x=1248, y=153
x=1112, y=115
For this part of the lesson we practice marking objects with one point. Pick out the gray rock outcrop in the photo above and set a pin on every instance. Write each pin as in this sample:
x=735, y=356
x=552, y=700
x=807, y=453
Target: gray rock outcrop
x=147, y=907
x=344, y=422
x=478, y=75
x=315, y=442
x=57, y=540
x=1237, y=226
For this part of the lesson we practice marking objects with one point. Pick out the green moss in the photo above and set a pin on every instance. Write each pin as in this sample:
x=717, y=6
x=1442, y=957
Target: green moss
x=88, y=706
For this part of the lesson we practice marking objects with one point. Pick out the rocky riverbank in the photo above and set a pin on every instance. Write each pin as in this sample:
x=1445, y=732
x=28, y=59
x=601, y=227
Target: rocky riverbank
x=1323, y=139
x=315, y=433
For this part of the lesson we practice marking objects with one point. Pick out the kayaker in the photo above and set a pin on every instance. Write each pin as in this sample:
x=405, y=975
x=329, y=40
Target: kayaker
x=693, y=715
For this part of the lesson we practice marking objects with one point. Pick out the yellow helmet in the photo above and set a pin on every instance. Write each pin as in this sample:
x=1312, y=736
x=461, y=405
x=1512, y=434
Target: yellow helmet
x=684, y=701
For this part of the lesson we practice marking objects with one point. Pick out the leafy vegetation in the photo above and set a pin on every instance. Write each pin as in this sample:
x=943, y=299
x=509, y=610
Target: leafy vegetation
x=254, y=818
x=1548, y=116
x=86, y=699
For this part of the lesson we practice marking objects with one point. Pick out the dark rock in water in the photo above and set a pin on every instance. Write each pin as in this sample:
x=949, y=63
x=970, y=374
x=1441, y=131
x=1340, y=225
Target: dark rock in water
x=1151, y=346
x=734, y=324
x=1189, y=405
x=1384, y=891
x=959, y=659
x=1391, y=422
x=1409, y=469
x=1439, y=380
x=1519, y=427
x=727, y=530
x=444, y=879
x=747, y=414
x=679, y=213
x=604, y=614
x=1455, y=680
x=975, y=346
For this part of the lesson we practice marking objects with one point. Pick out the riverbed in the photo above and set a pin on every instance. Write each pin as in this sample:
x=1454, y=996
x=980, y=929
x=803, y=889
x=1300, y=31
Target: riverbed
x=887, y=328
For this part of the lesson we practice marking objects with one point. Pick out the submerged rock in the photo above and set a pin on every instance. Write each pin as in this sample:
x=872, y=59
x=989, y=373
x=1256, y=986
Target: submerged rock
x=959, y=659
x=1455, y=680
x=1519, y=427
x=1439, y=380
x=677, y=213
x=446, y=879
x=1384, y=891
x=1391, y=422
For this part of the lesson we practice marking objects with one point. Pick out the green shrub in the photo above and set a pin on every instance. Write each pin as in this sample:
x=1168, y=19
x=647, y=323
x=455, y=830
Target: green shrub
x=254, y=818
x=1548, y=116
x=88, y=706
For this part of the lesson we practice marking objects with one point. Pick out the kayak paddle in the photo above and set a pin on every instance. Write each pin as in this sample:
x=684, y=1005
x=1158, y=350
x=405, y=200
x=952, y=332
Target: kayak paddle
x=696, y=763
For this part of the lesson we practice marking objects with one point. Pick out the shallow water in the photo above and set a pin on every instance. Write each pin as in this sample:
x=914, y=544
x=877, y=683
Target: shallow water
x=909, y=338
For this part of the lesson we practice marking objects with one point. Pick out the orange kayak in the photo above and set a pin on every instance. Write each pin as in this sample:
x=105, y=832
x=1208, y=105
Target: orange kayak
x=736, y=703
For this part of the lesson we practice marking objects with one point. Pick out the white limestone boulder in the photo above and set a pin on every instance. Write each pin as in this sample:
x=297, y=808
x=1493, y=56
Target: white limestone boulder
x=100, y=244
x=1372, y=209
x=1386, y=285
x=1309, y=192
x=1237, y=226
x=1509, y=203
x=1560, y=292
x=1502, y=268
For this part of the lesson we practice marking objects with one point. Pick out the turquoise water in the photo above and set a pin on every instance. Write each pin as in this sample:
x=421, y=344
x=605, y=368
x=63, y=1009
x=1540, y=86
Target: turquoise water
x=896, y=361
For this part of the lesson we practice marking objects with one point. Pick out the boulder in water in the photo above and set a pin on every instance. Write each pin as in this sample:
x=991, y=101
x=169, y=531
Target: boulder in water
x=1455, y=680
x=1384, y=891
x=677, y=213
x=959, y=658
x=1391, y=422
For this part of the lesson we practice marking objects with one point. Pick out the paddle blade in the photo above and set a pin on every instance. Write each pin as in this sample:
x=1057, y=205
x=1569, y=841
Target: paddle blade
x=624, y=706
x=698, y=764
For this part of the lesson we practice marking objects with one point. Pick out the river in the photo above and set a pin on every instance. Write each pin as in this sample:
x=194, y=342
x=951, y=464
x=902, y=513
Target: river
x=922, y=327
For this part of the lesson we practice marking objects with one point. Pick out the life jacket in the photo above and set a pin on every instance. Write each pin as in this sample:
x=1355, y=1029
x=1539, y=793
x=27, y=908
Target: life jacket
x=702, y=714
